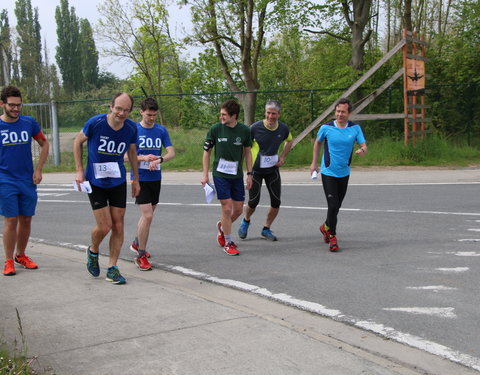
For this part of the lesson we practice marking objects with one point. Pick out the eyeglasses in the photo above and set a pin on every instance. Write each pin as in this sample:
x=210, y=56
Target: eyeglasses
x=120, y=109
x=13, y=105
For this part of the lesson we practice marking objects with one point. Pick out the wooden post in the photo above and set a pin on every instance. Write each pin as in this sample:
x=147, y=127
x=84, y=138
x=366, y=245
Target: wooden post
x=414, y=100
x=405, y=96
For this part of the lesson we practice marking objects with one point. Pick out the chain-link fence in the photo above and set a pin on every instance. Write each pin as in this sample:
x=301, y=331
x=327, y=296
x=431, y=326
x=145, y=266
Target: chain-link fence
x=454, y=110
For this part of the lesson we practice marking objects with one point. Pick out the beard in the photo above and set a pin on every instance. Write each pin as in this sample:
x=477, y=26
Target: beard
x=10, y=114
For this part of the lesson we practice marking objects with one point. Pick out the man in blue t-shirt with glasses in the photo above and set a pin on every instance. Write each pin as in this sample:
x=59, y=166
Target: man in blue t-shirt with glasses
x=109, y=136
x=18, y=177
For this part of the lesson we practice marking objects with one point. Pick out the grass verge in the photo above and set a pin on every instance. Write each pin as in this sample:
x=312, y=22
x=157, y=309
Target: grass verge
x=430, y=151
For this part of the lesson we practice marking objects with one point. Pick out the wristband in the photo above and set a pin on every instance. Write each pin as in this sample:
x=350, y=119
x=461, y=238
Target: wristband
x=249, y=173
x=161, y=159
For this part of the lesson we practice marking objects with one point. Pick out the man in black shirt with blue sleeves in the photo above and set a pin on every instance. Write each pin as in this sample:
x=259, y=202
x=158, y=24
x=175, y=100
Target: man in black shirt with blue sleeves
x=267, y=136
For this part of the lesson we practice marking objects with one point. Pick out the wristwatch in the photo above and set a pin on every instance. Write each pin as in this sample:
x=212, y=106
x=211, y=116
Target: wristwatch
x=161, y=159
x=249, y=173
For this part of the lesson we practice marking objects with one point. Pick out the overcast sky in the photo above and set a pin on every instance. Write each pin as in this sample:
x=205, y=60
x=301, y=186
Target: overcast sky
x=86, y=9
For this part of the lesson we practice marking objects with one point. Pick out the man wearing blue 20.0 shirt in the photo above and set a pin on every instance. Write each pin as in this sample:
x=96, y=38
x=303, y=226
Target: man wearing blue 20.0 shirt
x=152, y=138
x=339, y=137
x=109, y=137
x=18, y=179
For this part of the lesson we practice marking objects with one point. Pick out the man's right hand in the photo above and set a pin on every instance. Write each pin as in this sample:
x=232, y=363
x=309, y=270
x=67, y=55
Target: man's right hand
x=314, y=167
x=204, y=180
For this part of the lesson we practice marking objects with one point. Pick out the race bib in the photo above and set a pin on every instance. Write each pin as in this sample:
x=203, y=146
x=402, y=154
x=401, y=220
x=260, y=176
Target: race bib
x=268, y=161
x=227, y=167
x=146, y=165
x=107, y=170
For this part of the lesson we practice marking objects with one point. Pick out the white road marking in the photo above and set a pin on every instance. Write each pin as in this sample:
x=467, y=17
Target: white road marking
x=474, y=229
x=51, y=194
x=469, y=240
x=420, y=343
x=441, y=312
x=464, y=253
x=435, y=288
x=455, y=269
x=467, y=254
x=55, y=189
x=216, y=205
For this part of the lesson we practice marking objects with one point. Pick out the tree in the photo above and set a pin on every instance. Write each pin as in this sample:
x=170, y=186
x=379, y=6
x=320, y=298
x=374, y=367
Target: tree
x=5, y=49
x=68, y=54
x=29, y=49
x=236, y=31
x=88, y=56
x=356, y=14
x=139, y=32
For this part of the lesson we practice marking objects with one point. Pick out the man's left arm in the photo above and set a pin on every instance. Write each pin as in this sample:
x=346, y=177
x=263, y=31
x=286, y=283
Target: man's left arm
x=132, y=157
x=286, y=149
x=44, y=147
x=362, y=150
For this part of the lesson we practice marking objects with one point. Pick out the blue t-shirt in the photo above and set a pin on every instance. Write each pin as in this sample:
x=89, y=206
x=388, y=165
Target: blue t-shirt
x=106, y=148
x=338, y=148
x=16, y=148
x=151, y=141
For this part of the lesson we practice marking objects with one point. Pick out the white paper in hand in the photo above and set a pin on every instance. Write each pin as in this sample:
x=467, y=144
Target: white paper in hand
x=83, y=188
x=314, y=175
x=209, y=192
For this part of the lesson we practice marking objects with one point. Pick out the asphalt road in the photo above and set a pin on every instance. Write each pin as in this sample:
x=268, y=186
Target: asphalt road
x=409, y=265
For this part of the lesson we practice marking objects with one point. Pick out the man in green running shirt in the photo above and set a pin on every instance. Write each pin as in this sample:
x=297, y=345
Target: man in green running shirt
x=232, y=143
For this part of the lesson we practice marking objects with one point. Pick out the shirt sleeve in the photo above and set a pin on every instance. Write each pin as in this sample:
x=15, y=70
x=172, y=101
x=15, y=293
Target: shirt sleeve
x=360, y=136
x=134, y=137
x=210, y=135
x=36, y=130
x=322, y=132
x=248, y=139
x=166, y=142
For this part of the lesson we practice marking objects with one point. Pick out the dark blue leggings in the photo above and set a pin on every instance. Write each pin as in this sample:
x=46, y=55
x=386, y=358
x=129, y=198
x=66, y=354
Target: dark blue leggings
x=335, y=189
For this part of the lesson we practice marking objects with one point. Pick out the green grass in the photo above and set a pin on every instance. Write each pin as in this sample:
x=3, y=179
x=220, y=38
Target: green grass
x=430, y=151
x=16, y=362
x=69, y=129
x=17, y=365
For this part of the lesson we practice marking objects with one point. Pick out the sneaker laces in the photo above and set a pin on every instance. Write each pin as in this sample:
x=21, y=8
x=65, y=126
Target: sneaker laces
x=93, y=260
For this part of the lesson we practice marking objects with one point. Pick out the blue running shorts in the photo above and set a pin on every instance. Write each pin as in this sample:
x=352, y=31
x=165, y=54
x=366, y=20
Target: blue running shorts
x=229, y=188
x=17, y=197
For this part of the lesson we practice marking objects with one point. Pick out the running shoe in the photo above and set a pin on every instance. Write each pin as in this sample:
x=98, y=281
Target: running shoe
x=9, y=269
x=134, y=248
x=231, y=249
x=221, y=235
x=268, y=234
x=325, y=233
x=333, y=243
x=142, y=263
x=243, y=230
x=26, y=262
x=113, y=275
x=92, y=263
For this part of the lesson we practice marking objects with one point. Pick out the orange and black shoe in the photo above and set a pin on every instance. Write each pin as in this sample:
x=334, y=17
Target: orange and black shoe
x=9, y=269
x=325, y=233
x=333, y=243
x=26, y=262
